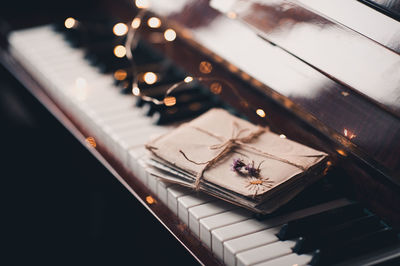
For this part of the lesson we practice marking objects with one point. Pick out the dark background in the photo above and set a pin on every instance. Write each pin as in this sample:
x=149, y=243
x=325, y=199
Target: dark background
x=60, y=206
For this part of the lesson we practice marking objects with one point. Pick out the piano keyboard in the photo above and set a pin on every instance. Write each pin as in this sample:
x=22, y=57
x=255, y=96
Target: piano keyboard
x=332, y=231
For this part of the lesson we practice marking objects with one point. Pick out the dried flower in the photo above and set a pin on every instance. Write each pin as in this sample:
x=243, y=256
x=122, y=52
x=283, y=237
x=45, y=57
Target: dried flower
x=237, y=165
x=258, y=184
x=252, y=171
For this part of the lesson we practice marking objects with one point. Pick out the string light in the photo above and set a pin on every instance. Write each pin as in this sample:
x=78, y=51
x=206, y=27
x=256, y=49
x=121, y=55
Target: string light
x=136, y=91
x=91, y=142
x=120, y=74
x=170, y=35
x=119, y=51
x=120, y=29
x=170, y=101
x=188, y=79
x=69, y=23
x=150, y=78
x=205, y=67
x=150, y=200
x=154, y=22
x=231, y=15
x=142, y=3
x=216, y=88
x=282, y=136
x=136, y=23
x=260, y=112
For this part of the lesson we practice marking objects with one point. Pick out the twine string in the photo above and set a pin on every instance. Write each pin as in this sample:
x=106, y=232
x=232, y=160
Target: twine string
x=227, y=145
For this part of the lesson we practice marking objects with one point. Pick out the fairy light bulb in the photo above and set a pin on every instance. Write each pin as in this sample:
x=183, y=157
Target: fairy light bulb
x=170, y=35
x=69, y=23
x=260, y=112
x=150, y=78
x=154, y=22
x=188, y=79
x=136, y=23
x=119, y=51
x=142, y=3
x=120, y=29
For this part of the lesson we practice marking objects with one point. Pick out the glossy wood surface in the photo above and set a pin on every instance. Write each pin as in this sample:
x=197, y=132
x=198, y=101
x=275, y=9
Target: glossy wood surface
x=333, y=49
x=299, y=101
x=328, y=105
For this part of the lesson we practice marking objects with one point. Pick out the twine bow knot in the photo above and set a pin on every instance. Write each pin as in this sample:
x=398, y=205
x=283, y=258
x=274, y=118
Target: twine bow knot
x=227, y=145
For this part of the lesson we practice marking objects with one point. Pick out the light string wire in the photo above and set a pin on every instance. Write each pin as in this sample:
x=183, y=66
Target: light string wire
x=131, y=43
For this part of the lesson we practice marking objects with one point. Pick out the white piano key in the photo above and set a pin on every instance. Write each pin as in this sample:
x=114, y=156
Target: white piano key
x=152, y=182
x=205, y=210
x=219, y=236
x=208, y=224
x=234, y=246
x=288, y=260
x=265, y=253
x=189, y=201
x=162, y=192
x=134, y=155
x=142, y=172
x=126, y=143
x=117, y=123
x=174, y=193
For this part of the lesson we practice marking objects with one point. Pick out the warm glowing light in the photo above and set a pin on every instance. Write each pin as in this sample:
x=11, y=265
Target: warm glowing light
x=69, y=23
x=90, y=141
x=245, y=76
x=154, y=22
x=231, y=15
x=216, y=88
x=256, y=182
x=170, y=35
x=205, y=67
x=150, y=200
x=341, y=152
x=282, y=136
x=260, y=112
x=195, y=106
x=136, y=91
x=233, y=68
x=136, y=23
x=347, y=133
x=120, y=29
x=142, y=3
x=188, y=79
x=345, y=93
x=80, y=83
x=120, y=74
x=119, y=51
x=150, y=78
x=170, y=101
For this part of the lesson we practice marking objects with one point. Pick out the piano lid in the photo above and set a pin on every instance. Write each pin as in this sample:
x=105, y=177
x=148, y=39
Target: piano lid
x=337, y=79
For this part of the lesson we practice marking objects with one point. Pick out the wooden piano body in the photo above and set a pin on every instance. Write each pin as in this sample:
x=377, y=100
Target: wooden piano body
x=323, y=76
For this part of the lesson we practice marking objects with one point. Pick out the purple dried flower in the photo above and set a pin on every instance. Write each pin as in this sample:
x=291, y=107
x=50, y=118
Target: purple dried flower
x=237, y=165
x=252, y=170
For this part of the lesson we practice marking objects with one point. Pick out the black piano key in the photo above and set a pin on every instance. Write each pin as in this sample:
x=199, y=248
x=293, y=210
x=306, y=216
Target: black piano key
x=182, y=100
x=318, y=193
x=158, y=89
x=299, y=227
x=175, y=114
x=337, y=234
x=155, y=67
x=355, y=247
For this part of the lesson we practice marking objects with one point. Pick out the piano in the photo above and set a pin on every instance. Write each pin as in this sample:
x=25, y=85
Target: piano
x=324, y=73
